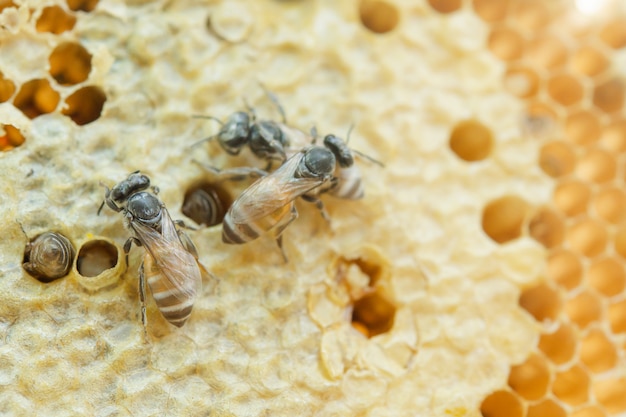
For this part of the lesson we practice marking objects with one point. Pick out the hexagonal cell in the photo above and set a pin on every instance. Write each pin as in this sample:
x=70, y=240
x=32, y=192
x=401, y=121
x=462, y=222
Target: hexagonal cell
x=587, y=237
x=557, y=159
x=506, y=44
x=542, y=302
x=378, y=16
x=7, y=88
x=373, y=313
x=36, y=97
x=572, y=197
x=84, y=105
x=583, y=127
x=610, y=204
x=70, y=63
x=617, y=317
x=614, y=34
x=502, y=404
x=590, y=61
x=564, y=268
x=572, y=385
x=546, y=408
x=565, y=89
x=445, y=6
x=82, y=5
x=559, y=346
x=471, y=140
x=55, y=19
x=597, y=166
x=206, y=203
x=547, y=52
x=530, y=379
x=591, y=411
x=503, y=218
x=98, y=263
x=48, y=257
x=607, y=276
x=522, y=81
x=613, y=136
x=4, y=4
x=530, y=14
x=10, y=137
x=597, y=352
x=547, y=227
x=611, y=394
x=584, y=308
x=608, y=96
x=619, y=242
x=491, y=10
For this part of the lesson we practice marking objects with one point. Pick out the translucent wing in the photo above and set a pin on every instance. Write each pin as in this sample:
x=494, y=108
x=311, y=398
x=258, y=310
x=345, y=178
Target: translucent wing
x=272, y=192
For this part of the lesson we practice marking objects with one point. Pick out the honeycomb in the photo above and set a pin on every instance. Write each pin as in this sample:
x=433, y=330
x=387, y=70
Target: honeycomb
x=483, y=274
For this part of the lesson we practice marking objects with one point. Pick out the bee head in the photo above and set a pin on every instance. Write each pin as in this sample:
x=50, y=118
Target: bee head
x=267, y=140
x=319, y=162
x=145, y=207
x=341, y=151
x=234, y=133
x=134, y=183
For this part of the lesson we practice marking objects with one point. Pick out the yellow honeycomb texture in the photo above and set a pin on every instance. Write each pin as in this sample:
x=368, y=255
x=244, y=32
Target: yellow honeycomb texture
x=483, y=274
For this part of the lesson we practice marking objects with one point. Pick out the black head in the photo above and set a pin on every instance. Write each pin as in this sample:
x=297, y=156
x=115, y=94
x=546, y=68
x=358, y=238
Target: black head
x=341, y=151
x=134, y=183
x=267, y=140
x=234, y=133
x=145, y=208
x=317, y=162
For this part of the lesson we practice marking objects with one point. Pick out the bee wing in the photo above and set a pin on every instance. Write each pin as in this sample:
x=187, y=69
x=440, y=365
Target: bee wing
x=271, y=192
x=178, y=265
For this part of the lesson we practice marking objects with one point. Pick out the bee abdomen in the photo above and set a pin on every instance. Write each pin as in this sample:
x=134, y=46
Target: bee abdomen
x=173, y=304
x=49, y=256
x=237, y=233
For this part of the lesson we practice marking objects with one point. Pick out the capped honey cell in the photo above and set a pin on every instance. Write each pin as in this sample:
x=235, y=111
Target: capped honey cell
x=378, y=16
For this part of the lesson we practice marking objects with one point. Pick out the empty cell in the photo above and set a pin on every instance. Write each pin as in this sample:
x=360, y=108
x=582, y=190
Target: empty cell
x=506, y=44
x=619, y=242
x=589, y=61
x=607, y=276
x=565, y=89
x=471, y=141
x=82, y=5
x=608, y=96
x=542, y=302
x=522, y=82
x=583, y=127
x=557, y=159
x=36, y=97
x=584, y=308
x=597, y=352
x=610, y=204
x=55, y=19
x=378, y=16
x=572, y=386
x=374, y=312
x=559, y=346
x=530, y=14
x=546, y=52
x=617, y=317
x=84, y=106
x=572, y=197
x=530, y=379
x=613, y=136
x=564, y=268
x=503, y=218
x=70, y=63
x=10, y=137
x=445, y=6
x=591, y=411
x=502, y=404
x=587, y=237
x=546, y=408
x=6, y=3
x=547, y=227
x=491, y=10
x=7, y=88
x=614, y=33
x=611, y=394
x=597, y=166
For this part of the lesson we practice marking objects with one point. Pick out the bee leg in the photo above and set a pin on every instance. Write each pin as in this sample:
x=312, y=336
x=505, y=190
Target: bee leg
x=181, y=223
x=275, y=101
x=279, y=242
x=233, y=174
x=142, y=299
x=320, y=206
x=127, y=246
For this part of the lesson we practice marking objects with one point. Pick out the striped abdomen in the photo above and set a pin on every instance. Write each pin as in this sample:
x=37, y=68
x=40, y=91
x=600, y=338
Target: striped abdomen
x=276, y=222
x=349, y=185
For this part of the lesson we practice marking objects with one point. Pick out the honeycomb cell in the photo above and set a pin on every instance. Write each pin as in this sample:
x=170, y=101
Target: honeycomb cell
x=471, y=141
x=502, y=404
x=506, y=44
x=611, y=394
x=584, y=308
x=582, y=127
x=530, y=14
x=557, y=159
x=530, y=379
x=564, y=268
x=491, y=10
x=592, y=411
x=55, y=20
x=572, y=197
x=4, y=4
x=10, y=137
x=609, y=95
x=7, y=88
x=597, y=352
x=617, y=317
x=572, y=385
x=619, y=242
x=613, y=136
x=547, y=52
x=610, y=204
x=589, y=61
x=587, y=237
x=70, y=63
x=206, y=203
x=503, y=218
x=565, y=89
x=36, y=97
x=84, y=105
x=82, y=5
x=49, y=256
x=542, y=302
x=95, y=257
x=607, y=276
x=546, y=408
x=445, y=6
x=597, y=166
x=559, y=346
x=378, y=16
x=373, y=312
x=547, y=227
x=522, y=82
x=614, y=34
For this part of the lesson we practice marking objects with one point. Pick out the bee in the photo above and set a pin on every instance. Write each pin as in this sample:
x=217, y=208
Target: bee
x=204, y=206
x=267, y=206
x=170, y=264
x=49, y=256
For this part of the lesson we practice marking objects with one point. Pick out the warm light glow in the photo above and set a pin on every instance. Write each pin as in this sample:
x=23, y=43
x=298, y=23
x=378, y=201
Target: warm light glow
x=591, y=6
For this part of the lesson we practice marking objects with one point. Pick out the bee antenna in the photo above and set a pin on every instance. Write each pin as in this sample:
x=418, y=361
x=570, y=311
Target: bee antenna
x=274, y=100
x=349, y=131
x=369, y=158
x=203, y=116
x=22, y=228
x=249, y=108
x=314, y=134
x=207, y=139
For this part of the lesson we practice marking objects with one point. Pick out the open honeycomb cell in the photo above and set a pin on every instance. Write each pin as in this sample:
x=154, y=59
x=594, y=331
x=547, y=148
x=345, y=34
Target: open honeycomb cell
x=70, y=63
x=610, y=204
x=572, y=385
x=587, y=237
x=559, y=346
x=546, y=408
x=531, y=378
x=565, y=89
x=491, y=10
x=85, y=105
x=55, y=19
x=557, y=158
x=611, y=394
x=564, y=268
x=583, y=127
x=542, y=301
x=7, y=88
x=547, y=52
x=613, y=136
x=36, y=97
x=445, y=6
x=471, y=141
x=619, y=242
x=373, y=314
x=547, y=227
x=572, y=197
x=503, y=218
x=614, y=34
x=502, y=404
x=530, y=15
x=608, y=96
x=597, y=352
x=82, y=5
x=10, y=137
x=584, y=309
x=607, y=276
x=592, y=411
x=6, y=3
x=506, y=44
x=522, y=81
x=95, y=257
x=590, y=61
x=617, y=317
x=378, y=16
x=597, y=166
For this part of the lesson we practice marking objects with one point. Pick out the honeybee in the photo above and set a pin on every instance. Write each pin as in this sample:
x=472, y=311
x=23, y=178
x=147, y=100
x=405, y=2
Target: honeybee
x=267, y=206
x=49, y=256
x=171, y=261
